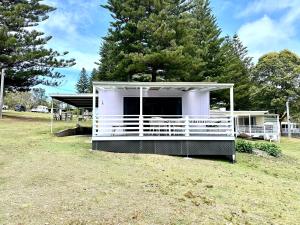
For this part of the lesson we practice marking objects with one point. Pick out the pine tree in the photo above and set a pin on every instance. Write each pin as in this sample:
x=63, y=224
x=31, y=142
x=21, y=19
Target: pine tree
x=237, y=67
x=207, y=50
x=93, y=77
x=219, y=59
x=145, y=38
x=82, y=86
x=109, y=58
x=173, y=41
x=22, y=50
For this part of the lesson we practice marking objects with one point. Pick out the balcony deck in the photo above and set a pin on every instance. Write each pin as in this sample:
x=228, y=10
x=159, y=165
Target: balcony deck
x=162, y=127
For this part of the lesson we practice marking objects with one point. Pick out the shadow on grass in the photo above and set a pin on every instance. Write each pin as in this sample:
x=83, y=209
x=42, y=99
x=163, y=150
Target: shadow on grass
x=221, y=158
x=26, y=118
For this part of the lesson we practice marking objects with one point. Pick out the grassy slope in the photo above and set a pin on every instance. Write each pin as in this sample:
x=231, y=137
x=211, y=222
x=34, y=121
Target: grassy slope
x=44, y=179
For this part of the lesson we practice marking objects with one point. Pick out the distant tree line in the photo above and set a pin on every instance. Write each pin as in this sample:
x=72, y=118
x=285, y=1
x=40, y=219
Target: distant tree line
x=29, y=99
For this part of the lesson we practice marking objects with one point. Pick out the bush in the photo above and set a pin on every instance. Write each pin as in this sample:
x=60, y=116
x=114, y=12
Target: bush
x=270, y=148
x=247, y=147
x=243, y=146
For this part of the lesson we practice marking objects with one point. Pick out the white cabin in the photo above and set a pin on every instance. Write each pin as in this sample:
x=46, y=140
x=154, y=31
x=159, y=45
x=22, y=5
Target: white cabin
x=255, y=124
x=161, y=117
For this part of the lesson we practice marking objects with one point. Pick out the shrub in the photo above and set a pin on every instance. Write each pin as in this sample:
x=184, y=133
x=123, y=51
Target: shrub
x=243, y=146
x=270, y=148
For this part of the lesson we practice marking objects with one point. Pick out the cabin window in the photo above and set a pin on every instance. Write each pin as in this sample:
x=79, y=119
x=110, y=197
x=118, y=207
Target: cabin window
x=244, y=121
x=153, y=106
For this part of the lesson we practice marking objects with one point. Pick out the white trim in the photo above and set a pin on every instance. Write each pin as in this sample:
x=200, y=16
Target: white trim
x=52, y=114
x=208, y=86
x=159, y=138
x=244, y=113
x=94, y=109
x=141, y=113
x=278, y=129
x=232, y=109
x=88, y=95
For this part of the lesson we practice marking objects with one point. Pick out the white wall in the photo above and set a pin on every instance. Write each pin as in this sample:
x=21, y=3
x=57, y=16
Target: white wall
x=193, y=102
x=110, y=102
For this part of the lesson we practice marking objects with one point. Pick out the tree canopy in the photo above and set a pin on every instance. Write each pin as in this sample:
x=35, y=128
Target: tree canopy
x=145, y=38
x=236, y=69
x=277, y=79
x=39, y=96
x=23, y=49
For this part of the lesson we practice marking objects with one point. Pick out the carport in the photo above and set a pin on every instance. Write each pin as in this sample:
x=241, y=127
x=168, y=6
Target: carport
x=80, y=101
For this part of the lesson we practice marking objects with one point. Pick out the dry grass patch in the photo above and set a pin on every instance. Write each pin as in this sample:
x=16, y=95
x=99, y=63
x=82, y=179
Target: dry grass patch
x=50, y=180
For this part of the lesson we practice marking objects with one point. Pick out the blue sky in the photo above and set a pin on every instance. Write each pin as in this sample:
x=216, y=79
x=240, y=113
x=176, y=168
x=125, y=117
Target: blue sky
x=78, y=26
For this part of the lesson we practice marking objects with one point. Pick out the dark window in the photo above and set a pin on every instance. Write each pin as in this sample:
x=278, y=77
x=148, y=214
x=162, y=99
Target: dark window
x=153, y=106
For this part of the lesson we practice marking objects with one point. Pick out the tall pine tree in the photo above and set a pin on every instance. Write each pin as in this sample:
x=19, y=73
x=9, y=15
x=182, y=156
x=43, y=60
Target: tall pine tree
x=176, y=41
x=82, y=86
x=237, y=69
x=219, y=59
x=109, y=57
x=207, y=52
x=92, y=78
x=22, y=48
x=145, y=38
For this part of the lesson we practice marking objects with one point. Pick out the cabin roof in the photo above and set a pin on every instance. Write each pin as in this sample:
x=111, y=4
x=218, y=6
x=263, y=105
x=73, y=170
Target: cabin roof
x=77, y=100
x=86, y=100
x=185, y=86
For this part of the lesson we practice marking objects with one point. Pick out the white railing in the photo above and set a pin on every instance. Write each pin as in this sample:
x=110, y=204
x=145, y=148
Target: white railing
x=158, y=125
x=266, y=129
x=293, y=130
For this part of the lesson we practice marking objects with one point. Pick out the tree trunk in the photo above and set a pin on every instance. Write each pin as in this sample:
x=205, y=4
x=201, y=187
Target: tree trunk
x=154, y=75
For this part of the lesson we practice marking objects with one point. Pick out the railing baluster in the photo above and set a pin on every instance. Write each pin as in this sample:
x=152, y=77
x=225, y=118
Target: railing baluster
x=187, y=126
x=141, y=126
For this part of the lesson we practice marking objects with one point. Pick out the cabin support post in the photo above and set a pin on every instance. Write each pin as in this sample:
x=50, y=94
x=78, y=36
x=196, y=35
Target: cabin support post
x=2, y=91
x=141, y=113
x=232, y=109
x=52, y=115
x=78, y=113
x=94, y=110
x=250, y=128
x=278, y=128
x=236, y=126
x=288, y=119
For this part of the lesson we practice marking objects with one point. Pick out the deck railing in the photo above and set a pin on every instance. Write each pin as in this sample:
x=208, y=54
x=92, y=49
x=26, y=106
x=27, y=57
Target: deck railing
x=293, y=130
x=254, y=129
x=162, y=125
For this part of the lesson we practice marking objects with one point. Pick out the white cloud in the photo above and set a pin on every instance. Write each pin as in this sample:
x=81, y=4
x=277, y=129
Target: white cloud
x=268, y=6
x=70, y=27
x=263, y=35
x=270, y=32
x=60, y=21
x=85, y=60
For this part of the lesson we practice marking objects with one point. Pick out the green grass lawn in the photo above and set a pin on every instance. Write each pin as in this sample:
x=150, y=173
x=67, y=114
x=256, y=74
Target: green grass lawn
x=50, y=180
